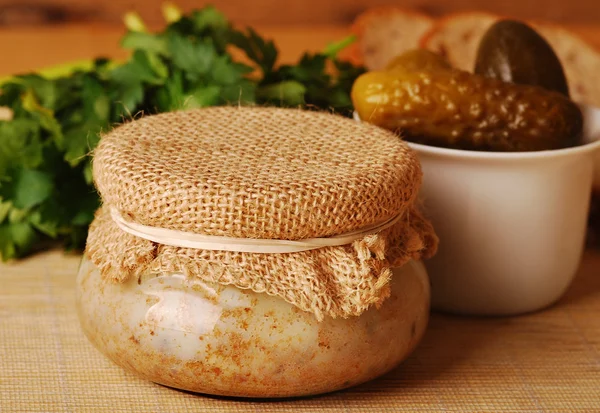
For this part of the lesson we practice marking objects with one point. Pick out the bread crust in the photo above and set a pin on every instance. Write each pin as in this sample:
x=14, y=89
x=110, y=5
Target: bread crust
x=371, y=16
x=441, y=22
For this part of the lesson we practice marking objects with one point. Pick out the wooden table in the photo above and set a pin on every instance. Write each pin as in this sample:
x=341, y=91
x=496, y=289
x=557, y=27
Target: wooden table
x=543, y=362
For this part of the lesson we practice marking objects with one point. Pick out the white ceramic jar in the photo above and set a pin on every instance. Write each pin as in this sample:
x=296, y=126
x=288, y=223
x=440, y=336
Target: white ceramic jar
x=184, y=333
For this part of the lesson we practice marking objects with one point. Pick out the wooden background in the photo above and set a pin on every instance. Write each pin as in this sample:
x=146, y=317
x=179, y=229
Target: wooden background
x=290, y=12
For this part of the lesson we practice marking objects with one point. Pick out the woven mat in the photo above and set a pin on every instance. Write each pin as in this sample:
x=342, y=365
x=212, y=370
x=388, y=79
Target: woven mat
x=544, y=362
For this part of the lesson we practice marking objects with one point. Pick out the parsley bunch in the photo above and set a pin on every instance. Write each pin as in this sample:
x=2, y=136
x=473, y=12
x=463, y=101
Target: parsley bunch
x=46, y=188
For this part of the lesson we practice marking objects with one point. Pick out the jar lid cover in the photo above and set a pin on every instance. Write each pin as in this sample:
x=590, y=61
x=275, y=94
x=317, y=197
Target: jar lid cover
x=252, y=172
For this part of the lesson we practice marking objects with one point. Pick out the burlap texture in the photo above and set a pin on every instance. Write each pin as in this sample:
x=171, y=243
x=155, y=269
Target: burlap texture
x=262, y=173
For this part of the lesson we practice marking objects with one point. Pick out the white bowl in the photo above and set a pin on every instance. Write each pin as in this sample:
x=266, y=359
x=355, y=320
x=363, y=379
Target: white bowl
x=511, y=225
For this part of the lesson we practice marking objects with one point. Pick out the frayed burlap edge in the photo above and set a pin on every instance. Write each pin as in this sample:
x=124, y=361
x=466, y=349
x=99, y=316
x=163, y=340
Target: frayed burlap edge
x=334, y=281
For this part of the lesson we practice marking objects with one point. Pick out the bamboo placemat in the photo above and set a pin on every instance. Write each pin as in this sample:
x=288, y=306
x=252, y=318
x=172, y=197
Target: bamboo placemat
x=544, y=362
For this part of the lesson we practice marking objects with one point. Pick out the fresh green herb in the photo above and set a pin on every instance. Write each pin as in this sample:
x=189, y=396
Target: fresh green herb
x=46, y=189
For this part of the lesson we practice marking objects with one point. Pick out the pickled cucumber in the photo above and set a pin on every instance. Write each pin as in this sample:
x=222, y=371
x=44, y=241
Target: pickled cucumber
x=456, y=109
x=514, y=52
x=419, y=59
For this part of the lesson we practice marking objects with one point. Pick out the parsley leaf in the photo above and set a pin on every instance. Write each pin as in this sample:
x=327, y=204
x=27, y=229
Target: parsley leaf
x=194, y=58
x=27, y=187
x=145, y=41
x=260, y=51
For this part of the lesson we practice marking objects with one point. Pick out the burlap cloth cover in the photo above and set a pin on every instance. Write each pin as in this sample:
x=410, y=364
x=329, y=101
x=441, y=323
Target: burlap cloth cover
x=262, y=173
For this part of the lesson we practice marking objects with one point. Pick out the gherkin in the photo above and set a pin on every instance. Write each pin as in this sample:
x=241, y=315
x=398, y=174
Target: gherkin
x=418, y=59
x=456, y=109
x=514, y=52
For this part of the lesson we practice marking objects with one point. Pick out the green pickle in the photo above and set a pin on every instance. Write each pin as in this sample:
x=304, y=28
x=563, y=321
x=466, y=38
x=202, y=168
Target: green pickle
x=418, y=59
x=514, y=52
x=456, y=109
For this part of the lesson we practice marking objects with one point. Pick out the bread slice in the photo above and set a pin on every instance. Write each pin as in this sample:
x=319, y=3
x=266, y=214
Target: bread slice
x=457, y=37
x=383, y=33
x=580, y=61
